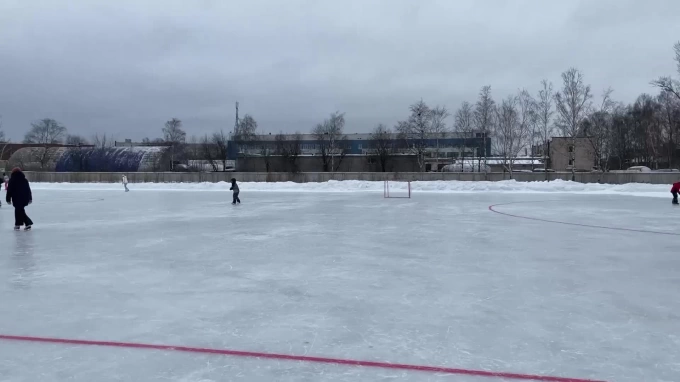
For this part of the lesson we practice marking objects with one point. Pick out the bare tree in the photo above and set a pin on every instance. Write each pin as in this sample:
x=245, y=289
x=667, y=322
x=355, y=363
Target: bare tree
x=417, y=130
x=330, y=141
x=647, y=125
x=289, y=148
x=76, y=140
x=221, y=142
x=528, y=108
x=527, y=116
x=573, y=105
x=668, y=84
x=193, y=152
x=176, y=136
x=382, y=146
x=102, y=141
x=173, y=132
x=439, y=129
x=2, y=131
x=4, y=142
x=245, y=133
x=464, y=126
x=44, y=132
x=544, y=119
x=670, y=117
x=484, y=120
x=598, y=129
x=209, y=152
x=511, y=133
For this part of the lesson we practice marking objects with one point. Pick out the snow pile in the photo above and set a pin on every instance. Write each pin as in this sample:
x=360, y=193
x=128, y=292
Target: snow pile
x=557, y=186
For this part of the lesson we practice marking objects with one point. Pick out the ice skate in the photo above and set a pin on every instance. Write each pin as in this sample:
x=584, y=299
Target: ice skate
x=28, y=228
x=17, y=228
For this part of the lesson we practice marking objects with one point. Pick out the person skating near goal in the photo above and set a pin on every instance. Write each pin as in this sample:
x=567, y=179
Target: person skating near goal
x=19, y=195
x=675, y=190
x=234, y=188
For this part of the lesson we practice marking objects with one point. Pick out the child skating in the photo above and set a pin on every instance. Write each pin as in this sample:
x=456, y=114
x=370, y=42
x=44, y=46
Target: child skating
x=125, y=182
x=19, y=194
x=234, y=188
x=675, y=190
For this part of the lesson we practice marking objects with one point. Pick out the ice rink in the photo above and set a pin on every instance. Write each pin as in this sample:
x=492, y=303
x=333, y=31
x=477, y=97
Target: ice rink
x=436, y=280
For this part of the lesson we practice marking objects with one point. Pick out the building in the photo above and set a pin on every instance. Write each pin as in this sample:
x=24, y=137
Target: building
x=567, y=153
x=130, y=143
x=358, y=151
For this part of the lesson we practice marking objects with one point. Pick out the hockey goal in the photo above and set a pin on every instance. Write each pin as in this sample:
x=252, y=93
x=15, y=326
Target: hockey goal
x=397, y=189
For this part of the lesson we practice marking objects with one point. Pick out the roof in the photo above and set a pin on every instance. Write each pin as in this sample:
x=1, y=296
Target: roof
x=351, y=136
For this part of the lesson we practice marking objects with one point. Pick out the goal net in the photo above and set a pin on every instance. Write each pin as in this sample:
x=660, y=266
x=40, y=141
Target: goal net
x=397, y=189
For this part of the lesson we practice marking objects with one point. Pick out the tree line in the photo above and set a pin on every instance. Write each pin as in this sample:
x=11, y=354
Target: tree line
x=645, y=132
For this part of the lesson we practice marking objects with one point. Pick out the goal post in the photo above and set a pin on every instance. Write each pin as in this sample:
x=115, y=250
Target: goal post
x=393, y=190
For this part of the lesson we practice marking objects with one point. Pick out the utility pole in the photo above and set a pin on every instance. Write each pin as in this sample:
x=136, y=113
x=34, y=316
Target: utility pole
x=235, y=132
x=236, y=123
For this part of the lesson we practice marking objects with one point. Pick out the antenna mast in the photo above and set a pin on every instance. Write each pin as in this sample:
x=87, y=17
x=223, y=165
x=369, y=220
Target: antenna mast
x=236, y=123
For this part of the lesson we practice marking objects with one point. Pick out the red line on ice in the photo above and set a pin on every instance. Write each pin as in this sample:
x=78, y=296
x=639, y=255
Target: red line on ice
x=491, y=208
x=290, y=357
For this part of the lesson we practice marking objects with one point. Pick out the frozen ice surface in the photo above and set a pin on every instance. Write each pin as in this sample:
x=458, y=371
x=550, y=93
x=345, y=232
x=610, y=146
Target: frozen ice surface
x=434, y=280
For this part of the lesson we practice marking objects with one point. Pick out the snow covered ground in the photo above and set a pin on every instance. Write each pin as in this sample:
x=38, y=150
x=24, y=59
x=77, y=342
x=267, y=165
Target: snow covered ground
x=315, y=270
x=632, y=189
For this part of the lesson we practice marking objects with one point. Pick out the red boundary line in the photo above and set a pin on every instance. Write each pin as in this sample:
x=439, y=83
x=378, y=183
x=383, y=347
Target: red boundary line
x=491, y=208
x=290, y=357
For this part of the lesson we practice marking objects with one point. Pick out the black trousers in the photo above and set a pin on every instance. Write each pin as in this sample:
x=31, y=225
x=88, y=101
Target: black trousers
x=236, y=199
x=675, y=197
x=20, y=217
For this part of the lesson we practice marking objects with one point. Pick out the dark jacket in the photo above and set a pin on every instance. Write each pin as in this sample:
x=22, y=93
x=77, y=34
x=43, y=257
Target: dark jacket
x=234, y=186
x=18, y=190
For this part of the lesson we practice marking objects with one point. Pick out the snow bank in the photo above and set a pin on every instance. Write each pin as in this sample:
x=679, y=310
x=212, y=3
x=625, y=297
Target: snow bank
x=557, y=186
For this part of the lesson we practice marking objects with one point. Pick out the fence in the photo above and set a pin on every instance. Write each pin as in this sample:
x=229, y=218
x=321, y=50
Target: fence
x=194, y=177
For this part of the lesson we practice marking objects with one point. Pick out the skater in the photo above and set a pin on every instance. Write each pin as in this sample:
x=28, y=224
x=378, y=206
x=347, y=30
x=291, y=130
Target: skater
x=234, y=187
x=125, y=182
x=19, y=194
x=674, y=190
x=5, y=179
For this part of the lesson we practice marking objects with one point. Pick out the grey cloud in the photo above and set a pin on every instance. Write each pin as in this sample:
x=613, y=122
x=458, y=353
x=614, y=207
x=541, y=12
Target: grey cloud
x=127, y=66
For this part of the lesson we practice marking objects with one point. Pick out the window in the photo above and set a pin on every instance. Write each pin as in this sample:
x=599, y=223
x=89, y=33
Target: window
x=571, y=162
x=571, y=148
x=359, y=146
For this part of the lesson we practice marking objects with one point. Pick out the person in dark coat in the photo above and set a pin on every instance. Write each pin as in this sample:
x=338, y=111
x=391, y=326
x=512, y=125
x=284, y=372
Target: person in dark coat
x=19, y=194
x=234, y=188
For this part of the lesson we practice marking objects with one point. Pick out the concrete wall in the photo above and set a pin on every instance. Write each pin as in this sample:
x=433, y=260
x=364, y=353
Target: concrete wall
x=174, y=177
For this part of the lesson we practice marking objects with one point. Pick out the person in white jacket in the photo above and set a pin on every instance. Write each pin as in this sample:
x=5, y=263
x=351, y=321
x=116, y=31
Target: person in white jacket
x=125, y=182
x=5, y=179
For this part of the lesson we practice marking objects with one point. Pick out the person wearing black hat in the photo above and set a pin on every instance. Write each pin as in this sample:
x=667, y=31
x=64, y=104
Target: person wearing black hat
x=19, y=195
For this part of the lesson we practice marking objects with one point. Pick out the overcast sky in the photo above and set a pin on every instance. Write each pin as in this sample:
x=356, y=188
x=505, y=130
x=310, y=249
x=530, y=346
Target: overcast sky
x=125, y=67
